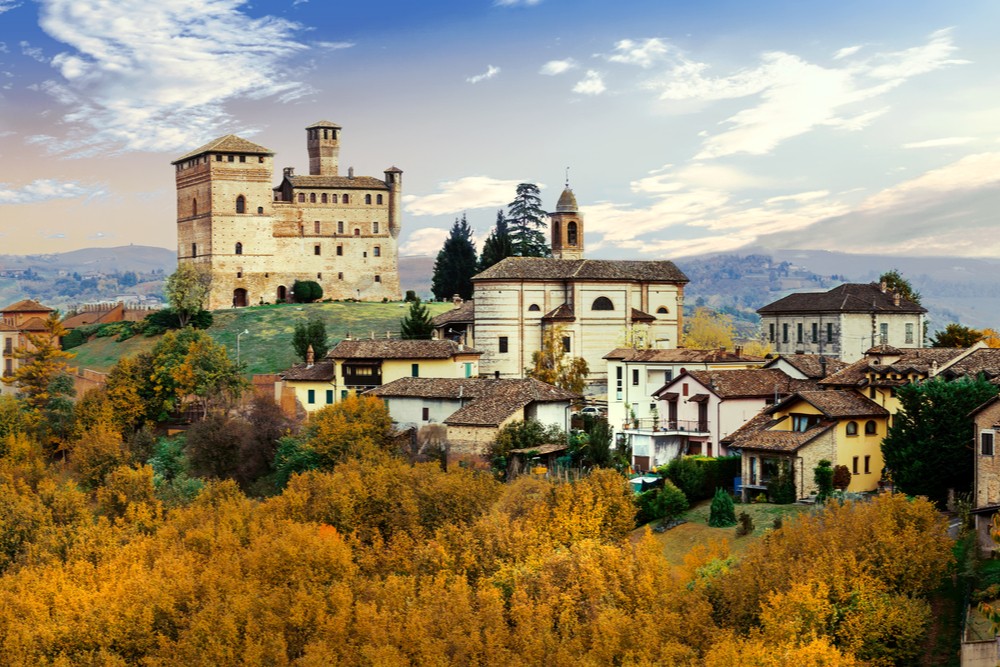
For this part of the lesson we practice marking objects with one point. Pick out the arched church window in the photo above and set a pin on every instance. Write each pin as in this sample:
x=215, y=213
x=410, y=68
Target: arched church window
x=241, y=204
x=239, y=248
x=534, y=308
x=571, y=233
x=662, y=310
x=602, y=303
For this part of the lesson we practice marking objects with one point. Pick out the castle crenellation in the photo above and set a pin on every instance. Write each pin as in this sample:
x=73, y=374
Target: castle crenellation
x=258, y=239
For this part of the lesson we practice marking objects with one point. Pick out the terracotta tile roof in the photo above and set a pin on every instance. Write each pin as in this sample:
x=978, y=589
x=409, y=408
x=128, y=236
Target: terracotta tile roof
x=783, y=441
x=835, y=404
x=679, y=356
x=227, y=144
x=985, y=361
x=810, y=365
x=884, y=349
x=847, y=298
x=465, y=313
x=337, y=182
x=563, y=313
x=745, y=382
x=32, y=324
x=539, y=268
x=26, y=306
x=398, y=349
x=911, y=360
x=762, y=420
x=321, y=371
x=639, y=316
x=491, y=401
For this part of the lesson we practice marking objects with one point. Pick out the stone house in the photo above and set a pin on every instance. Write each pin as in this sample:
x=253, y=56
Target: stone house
x=634, y=375
x=806, y=366
x=355, y=366
x=257, y=240
x=16, y=321
x=457, y=324
x=808, y=426
x=842, y=322
x=473, y=409
x=698, y=409
x=986, y=478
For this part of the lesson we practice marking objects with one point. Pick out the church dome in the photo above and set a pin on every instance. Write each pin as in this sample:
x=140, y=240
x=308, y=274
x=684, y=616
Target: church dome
x=567, y=202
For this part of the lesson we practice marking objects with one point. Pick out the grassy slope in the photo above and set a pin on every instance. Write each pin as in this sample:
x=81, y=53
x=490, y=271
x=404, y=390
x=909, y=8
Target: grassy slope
x=268, y=346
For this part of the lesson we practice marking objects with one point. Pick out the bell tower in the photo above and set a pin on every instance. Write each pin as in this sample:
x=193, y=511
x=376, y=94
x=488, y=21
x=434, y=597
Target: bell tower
x=566, y=227
x=323, y=142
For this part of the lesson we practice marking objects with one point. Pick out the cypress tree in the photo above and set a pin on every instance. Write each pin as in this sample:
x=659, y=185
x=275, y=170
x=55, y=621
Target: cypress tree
x=498, y=245
x=526, y=220
x=417, y=323
x=456, y=263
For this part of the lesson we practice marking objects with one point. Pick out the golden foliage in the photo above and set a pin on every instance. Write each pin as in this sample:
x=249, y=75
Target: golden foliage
x=708, y=330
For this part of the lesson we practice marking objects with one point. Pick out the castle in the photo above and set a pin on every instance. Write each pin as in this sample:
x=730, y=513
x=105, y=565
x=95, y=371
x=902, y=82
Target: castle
x=257, y=240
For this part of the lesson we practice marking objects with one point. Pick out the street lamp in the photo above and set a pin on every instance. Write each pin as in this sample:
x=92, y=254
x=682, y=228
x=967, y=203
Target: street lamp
x=245, y=331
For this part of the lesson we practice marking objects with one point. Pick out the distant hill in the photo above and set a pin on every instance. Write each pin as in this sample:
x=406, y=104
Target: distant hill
x=415, y=272
x=138, y=258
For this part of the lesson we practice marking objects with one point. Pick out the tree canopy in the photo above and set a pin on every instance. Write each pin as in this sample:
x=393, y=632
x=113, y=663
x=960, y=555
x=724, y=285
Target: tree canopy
x=311, y=332
x=956, y=335
x=708, y=330
x=895, y=282
x=554, y=365
x=526, y=220
x=456, y=263
x=417, y=324
x=498, y=244
x=187, y=289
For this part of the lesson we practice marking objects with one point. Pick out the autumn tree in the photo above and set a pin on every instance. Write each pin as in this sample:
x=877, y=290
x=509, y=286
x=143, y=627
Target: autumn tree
x=708, y=330
x=41, y=363
x=896, y=283
x=927, y=447
x=521, y=435
x=311, y=332
x=498, y=244
x=187, y=289
x=554, y=365
x=526, y=222
x=456, y=263
x=417, y=324
x=956, y=335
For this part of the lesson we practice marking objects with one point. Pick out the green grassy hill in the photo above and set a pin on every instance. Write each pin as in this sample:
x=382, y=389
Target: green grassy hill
x=267, y=348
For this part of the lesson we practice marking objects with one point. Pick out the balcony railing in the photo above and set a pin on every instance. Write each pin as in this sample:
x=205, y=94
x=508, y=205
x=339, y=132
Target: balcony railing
x=352, y=380
x=668, y=426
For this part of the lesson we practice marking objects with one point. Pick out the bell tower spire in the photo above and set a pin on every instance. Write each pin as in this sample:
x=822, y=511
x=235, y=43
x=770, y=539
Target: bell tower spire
x=567, y=226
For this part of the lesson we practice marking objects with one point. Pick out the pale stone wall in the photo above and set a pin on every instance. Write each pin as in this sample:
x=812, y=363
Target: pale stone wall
x=852, y=333
x=987, y=487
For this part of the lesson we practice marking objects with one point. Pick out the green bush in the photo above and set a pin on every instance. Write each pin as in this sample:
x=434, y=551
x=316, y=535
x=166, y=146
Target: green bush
x=670, y=502
x=722, y=512
x=823, y=476
x=781, y=489
x=745, y=526
x=699, y=476
x=74, y=338
x=307, y=291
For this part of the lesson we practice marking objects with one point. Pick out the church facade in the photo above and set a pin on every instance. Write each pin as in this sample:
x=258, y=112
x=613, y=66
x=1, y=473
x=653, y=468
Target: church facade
x=257, y=239
x=597, y=305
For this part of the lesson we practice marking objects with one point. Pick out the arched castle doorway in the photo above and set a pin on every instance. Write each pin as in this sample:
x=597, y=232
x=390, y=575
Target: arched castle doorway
x=282, y=294
x=239, y=298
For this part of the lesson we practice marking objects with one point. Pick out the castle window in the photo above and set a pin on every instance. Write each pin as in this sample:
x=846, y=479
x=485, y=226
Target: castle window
x=243, y=158
x=194, y=249
x=344, y=199
x=378, y=199
x=368, y=199
x=375, y=227
x=340, y=276
x=194, y=207
x=239, y=274
x=316, y=227
x=260, y=159
x=324, y=198
x=364, y=253
x=340, y=226
x=319, y=276
x=602, y=303
x=986, y=443
x=571, y=233
x=340, y=250
x=378, y=278
x=662, y=310
x=302, y=197
x=312, y=197
x=534, y=308
x=357, y=232
x=241, y=204
x=556, y=232
x=239, y=248
x=260, y=210
x=218, y=158
x=377, y=251
x=316, y=249
x=566, y=344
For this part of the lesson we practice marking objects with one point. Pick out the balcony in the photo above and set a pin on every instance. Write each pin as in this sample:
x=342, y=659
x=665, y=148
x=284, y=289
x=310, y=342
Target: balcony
x=667, y=426
x=362, y=379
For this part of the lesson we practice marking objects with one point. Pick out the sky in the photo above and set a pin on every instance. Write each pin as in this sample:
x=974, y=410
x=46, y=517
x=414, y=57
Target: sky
x=686, y=127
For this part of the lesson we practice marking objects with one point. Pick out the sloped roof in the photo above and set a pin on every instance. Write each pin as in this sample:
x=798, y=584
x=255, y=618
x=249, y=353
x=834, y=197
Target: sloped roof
x=846, y=298
x=337, y=182
x=567, y=202
x=321, y=371
x=639, y=316
x=464, y=313
x=398, y=349
x=985, y=361
x=542, y=268
x=745, y=382
x=227, y=144
x=910, y=360
x=491, y=401
x=679, y=355
x=762, y=420
x=26, y=306
x=783, y=441
x=835, y=404
x=810, y=365
x=563, y=313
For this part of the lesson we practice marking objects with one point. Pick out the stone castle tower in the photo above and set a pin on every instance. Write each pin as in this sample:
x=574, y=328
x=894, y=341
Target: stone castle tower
x=566, y=228
x=257, y=240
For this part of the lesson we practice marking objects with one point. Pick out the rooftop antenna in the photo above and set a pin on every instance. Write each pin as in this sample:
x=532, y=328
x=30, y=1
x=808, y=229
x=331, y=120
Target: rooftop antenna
x=567, y=177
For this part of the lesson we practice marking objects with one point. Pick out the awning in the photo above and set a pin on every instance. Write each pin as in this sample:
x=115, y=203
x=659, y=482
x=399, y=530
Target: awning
x=698, y=398
x=668, y=396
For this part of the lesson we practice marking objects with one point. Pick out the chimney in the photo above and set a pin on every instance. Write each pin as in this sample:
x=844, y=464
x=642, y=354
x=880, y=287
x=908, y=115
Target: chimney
x=310, y=357
x=822, y=366
x=350, y=172
x=738, y=350
x=457, y=300
x=883, y=286
x=289, y=172
x=895, y=299
x=934, y=367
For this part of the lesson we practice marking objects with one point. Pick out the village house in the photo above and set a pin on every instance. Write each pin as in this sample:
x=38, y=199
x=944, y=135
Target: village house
x=257, y=240
x=16, y=321
x=634, y=374
x=698, y=409
x=986, y=479
x=842, y=322
x=473, y=409
x=355, y=366
x=595, y=305
x=457, y=324
x=793, y=436
x=806, y=366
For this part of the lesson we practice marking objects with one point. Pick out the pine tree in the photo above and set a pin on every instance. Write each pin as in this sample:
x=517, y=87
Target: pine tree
x=498, y=244
x=456, y=263
x=527, y=222
x=309, y=333
x=417, y=323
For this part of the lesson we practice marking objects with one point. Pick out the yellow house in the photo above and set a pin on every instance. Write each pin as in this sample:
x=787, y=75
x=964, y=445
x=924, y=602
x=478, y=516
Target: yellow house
x=355, y=366
x=795, y=434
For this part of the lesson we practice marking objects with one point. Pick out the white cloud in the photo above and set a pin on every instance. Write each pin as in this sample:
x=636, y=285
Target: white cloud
x=32, y=52
x=45, y=189
x=426, y=241
x=643, y=53
x=794, y=96
x=156, y=76
x=470, y=192
x=334, y=46
x=846, y=52
x=554, y=67
x=698, y=174
x=490, y=72
x=591, y=84
x=7, y=5
x=937, y=143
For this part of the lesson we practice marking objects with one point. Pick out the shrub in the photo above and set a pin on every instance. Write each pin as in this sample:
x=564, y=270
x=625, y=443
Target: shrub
x=671, y=501
x=841, y=478
x=781, y=489
x=307, y=291
x=722, y=512
x=823, y=476
x=745, y=526
x=777, y=523
x=74, y=338
x=687, y=475
x=760, y=498
x=411, y=295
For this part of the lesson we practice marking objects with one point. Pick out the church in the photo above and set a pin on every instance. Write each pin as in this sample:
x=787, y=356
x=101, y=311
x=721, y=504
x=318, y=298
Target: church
x=257, y=240
x=599, y=305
